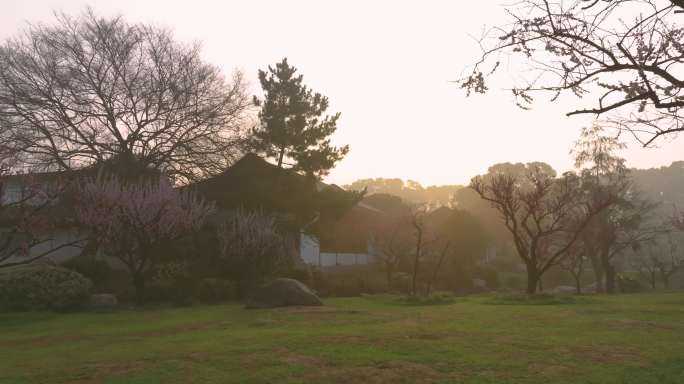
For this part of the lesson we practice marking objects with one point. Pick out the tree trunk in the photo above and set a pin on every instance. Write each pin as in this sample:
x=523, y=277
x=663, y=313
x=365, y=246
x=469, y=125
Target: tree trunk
x=608, y=270
x=598, y=270
x=666, y=280
x=578, y=283
x=436, y=270
x=532, y=279
x=389, y=271
x=578, y=274
x=610, y=279
x=416, y=263
x=280, y=157
x=139, y=285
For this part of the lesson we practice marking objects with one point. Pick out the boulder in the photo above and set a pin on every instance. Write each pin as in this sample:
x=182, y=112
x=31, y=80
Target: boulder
x=283, y=293
x=103, y=300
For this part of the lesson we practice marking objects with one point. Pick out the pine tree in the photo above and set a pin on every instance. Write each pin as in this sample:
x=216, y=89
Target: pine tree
x=293, y=124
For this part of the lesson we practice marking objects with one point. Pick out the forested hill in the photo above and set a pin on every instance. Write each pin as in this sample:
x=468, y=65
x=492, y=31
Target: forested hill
x=410, y=191
x=664, y=184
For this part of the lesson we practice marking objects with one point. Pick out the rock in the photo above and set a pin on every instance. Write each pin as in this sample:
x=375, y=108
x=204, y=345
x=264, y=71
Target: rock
x=103, y=300
x=564, y=289
x=283, y=293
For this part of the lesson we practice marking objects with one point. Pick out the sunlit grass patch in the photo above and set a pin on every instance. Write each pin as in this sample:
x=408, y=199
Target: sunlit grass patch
x=371, y=339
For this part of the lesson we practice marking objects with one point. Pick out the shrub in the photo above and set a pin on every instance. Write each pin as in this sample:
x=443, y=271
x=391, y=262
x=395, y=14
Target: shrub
x=172, y=282
x=437, y=298
x=515, y=282
x=94, y=269
x=105, y=279
x=43, y=287
x=348, y=281
x=488, y=274
x=401, y=282
x=628, y=284
x=342, y=287
x=215, y=290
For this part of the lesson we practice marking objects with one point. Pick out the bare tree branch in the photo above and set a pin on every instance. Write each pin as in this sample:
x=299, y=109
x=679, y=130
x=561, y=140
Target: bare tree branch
x=628, y=54
x=88, y=88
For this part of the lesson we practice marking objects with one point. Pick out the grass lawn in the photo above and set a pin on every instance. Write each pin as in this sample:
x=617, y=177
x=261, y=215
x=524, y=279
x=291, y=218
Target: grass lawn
x=622, y=339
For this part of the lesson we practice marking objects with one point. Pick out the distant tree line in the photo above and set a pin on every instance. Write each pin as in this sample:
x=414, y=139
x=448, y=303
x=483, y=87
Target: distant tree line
x=602, y=217
x=410, y=190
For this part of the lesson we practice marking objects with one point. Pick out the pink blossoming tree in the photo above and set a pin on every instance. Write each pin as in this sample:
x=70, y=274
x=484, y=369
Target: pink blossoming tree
x=252, y=248
x=129, y=219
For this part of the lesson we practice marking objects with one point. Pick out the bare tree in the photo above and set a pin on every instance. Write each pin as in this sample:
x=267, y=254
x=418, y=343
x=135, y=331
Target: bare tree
x=622, y=225
x=671, y=261
x=648, y=268
x=392, y=243
x=420, y=231
x=89, y=88
x=626, y=53
x=545, y=215
x=661, y=258
x=446, y=247
x=574, y=263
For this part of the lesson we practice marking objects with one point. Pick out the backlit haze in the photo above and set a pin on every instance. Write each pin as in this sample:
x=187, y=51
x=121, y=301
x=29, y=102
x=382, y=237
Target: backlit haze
x=388, y=66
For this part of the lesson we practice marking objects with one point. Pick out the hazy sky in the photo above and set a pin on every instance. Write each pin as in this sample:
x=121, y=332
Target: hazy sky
x=388, y=66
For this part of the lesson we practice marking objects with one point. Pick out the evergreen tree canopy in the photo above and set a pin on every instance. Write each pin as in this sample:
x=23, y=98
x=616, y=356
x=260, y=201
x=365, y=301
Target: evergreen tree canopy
x=293, y=124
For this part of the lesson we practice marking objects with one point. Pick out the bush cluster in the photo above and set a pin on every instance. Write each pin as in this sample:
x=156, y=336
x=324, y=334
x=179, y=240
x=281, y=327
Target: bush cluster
x=437, y=298
x=104, y=277
x=342, y=281
x=628, y=284
x=536, y=299
x=172, y=282
x=215, y=291
x=42, y=287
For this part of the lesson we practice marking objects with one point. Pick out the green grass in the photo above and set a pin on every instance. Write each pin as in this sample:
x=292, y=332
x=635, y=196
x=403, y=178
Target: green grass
x=622, y=339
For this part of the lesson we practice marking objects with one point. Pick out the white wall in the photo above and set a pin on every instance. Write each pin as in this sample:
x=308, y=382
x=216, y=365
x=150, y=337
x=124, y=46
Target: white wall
x=309, y=249
x=311, y=254
x=333, y=259
x=59, y=256
x=10, y=193
x=15, y=190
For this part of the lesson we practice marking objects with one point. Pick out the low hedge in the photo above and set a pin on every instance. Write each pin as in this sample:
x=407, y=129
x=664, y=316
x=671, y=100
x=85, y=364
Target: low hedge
x=42, y=287
x=215, y=291
x=536, y=299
